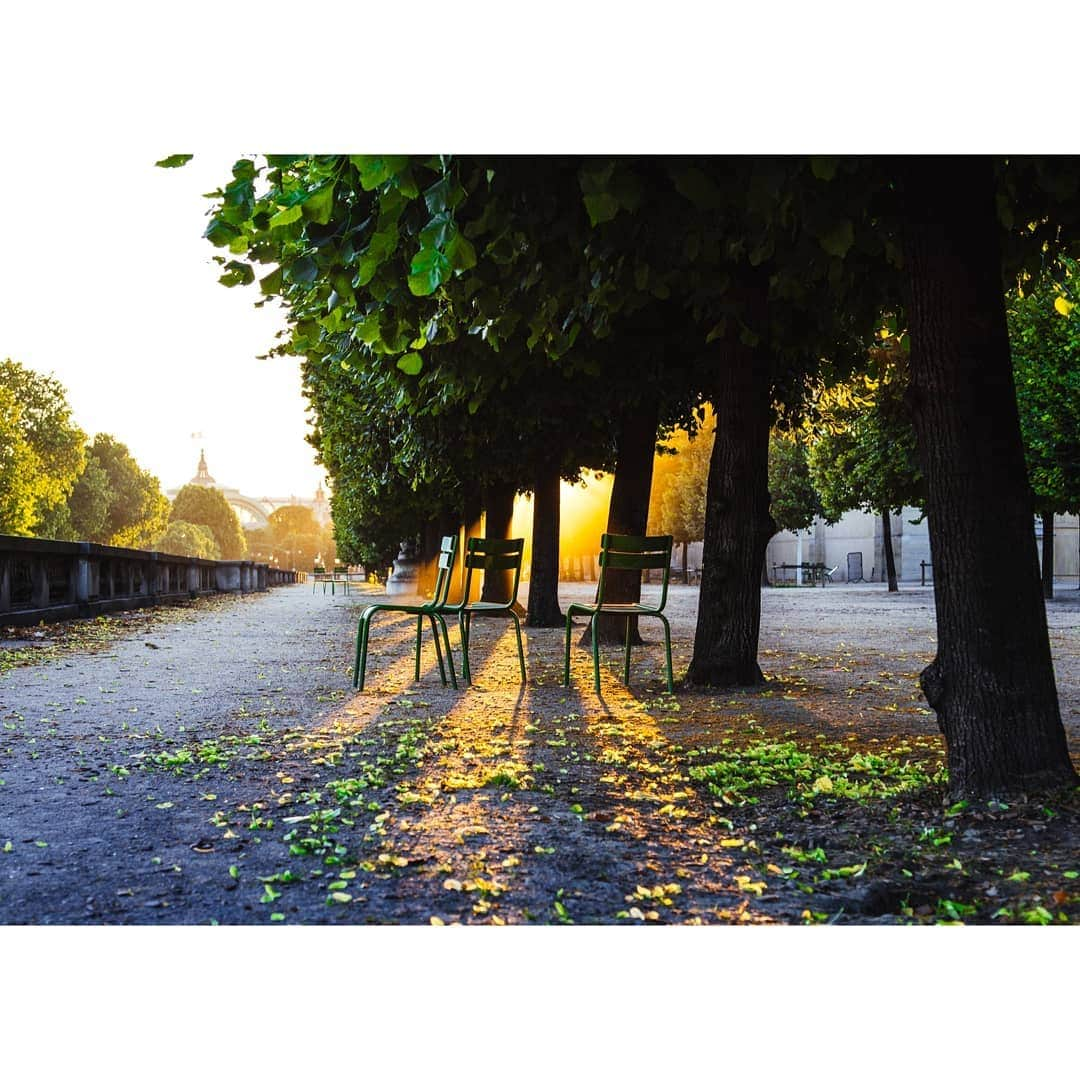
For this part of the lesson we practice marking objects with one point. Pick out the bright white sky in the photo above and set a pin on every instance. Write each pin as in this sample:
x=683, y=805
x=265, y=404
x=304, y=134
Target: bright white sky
x=108, y=285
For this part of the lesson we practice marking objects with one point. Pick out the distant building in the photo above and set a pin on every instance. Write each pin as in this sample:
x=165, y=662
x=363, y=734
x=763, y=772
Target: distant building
x=254, y=512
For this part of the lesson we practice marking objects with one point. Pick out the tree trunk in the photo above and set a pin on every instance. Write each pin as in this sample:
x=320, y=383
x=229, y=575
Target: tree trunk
x=992, y=681
x=628, y=513
x=685, y=563
x=738, y=525
x=886, y=543
x=498, y=518
x=1048, y=555
x=544, y=572
x=430, y=540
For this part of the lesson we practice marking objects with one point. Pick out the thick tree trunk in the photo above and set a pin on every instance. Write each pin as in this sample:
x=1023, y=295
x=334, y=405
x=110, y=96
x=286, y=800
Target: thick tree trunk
x=429, y=556
x=992, y=681
x=738, y=525
x=498, y=518
x=544, y=569
x=886, y=543
x=685, y=563
x=1048, y=555
x=628, y=513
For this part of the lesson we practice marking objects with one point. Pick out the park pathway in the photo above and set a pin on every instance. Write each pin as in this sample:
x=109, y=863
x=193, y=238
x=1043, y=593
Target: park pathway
x=211, y=763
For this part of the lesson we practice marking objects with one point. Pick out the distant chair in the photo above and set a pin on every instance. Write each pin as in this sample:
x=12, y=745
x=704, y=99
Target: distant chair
x=486, y=554
x=432, y=610
x=625, y=553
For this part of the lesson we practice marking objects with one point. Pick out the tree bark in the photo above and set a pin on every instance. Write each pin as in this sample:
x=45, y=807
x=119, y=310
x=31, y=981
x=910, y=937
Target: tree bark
x=1048, y=555
x=628, y=513
x=498, y=518
x=544, y=570
x=992, y=681
x=686, y=562
x=738, y=525
x=886, y=543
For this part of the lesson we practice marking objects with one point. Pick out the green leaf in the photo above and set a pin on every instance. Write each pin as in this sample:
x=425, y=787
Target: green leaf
x=838, y=239
x=824, y=168
x=693, y=184
x=220, y=233
x=304, y=270
x=460, y=253
x=411, y=363
x=601, y=207
x=375, y=170
x=237, y=273
x=271, y=284
x=320, y=205
x=286, y=217
x=428, y=271
x=234, y=872
x=174, y=161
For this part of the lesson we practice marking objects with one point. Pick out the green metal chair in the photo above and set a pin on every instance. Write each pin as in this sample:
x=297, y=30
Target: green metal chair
x=485, y=555
x=625, y=553
x=432, y=610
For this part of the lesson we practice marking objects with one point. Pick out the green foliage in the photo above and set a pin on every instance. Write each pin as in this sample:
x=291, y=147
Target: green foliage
x=293, y=539
x=795, y=501
x=186, y=538
x=114, y=501
x=863, y=455
x=18, y=469
x=1044, y=334
x=40, y=465
x=207, y=506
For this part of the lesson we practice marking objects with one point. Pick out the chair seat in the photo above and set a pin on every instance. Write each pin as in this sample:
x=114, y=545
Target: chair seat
x=481, y=605
x=409, y=609
x=614, y=609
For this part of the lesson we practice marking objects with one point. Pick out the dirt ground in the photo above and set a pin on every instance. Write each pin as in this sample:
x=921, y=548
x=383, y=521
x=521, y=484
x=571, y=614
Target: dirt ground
x=211, y=763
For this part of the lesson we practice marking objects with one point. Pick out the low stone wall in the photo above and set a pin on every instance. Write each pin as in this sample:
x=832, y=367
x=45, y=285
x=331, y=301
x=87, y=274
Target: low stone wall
x=51, y=580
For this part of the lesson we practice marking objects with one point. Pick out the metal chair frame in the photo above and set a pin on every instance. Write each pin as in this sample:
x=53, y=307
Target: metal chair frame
x=486, y=554
x=625, y=553
x=431, y=610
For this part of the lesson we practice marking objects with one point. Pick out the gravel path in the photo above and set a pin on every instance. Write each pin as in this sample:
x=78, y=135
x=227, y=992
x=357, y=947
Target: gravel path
x=214, y=765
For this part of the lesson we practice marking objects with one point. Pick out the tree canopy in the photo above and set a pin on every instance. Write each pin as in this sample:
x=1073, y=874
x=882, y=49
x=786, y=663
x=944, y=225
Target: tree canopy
x=207, y=506
x=44, y=452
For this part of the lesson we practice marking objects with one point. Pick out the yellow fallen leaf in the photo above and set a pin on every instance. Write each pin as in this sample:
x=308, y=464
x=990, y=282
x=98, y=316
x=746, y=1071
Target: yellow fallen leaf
x=452, y=884
x=1063, y=306
x=823, y=784
x=436, y=921
x=733, y=842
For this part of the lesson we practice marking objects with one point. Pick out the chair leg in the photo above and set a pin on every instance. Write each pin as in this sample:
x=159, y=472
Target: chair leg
x=449, y=654
x=595, y=651
x=626, y=655
x=356, y=665
x=466, y=675
x=419, y=630
x=362, y=647
x=667, y=646
x=521, y=652
x=566, y=662
x=438, y=648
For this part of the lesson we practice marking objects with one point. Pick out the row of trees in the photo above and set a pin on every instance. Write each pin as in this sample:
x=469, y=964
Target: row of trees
x=855, y=447
x=475, y=326
x=57, y=485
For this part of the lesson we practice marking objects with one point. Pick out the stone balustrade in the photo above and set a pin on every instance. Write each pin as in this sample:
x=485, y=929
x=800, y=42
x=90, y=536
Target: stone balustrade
x=48, y=580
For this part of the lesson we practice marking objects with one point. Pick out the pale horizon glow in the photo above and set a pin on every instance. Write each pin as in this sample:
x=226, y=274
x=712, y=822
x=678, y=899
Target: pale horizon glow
x=108, y=285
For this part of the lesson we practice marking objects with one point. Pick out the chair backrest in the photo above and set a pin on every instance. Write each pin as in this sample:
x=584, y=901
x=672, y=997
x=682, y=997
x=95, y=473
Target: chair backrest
x=489, y=554
x=634, y=553
x=447, y=554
